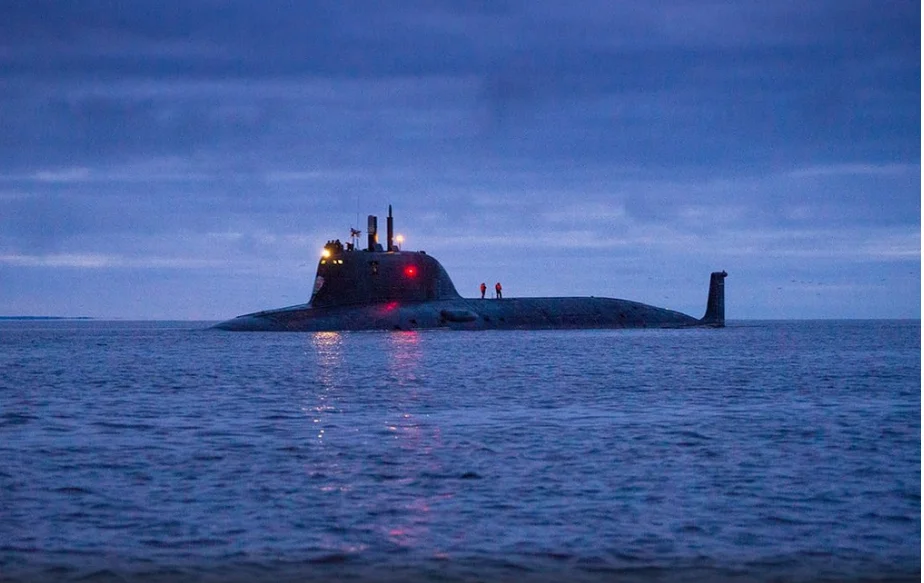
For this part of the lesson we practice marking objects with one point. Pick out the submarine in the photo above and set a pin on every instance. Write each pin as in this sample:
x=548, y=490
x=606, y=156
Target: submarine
x=386, y=288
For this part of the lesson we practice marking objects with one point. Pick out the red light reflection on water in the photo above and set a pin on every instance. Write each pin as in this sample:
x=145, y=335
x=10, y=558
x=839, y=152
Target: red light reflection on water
x=416, y=438
x=404, y=355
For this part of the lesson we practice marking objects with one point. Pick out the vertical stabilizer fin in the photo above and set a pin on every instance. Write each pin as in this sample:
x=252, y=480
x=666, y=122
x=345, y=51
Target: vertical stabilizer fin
x=715, y=305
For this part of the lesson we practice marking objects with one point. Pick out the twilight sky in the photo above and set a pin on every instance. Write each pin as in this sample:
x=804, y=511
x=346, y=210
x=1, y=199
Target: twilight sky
x=188, y=160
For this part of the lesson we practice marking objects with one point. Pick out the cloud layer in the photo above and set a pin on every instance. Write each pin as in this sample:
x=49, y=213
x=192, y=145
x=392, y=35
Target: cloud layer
x=595, y=148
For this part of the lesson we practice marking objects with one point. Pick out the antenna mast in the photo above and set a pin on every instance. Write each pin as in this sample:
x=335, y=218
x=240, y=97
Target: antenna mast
x=355, y=233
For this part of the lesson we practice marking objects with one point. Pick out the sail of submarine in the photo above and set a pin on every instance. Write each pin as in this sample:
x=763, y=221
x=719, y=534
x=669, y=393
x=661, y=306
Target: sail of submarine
x=386, y=288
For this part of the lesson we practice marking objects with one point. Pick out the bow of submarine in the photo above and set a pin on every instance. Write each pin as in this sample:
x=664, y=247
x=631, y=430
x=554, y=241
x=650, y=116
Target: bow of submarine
x=264, y=321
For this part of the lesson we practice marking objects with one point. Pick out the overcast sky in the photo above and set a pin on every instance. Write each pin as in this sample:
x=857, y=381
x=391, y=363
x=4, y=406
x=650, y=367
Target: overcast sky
x=188, y=160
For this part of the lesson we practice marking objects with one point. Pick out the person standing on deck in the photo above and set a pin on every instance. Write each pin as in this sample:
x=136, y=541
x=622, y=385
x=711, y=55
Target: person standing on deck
x=497, y=290
x=484, y=288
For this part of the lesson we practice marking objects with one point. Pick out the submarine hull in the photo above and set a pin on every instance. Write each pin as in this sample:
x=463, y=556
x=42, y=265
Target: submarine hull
x=390, y=289
x=463, y=314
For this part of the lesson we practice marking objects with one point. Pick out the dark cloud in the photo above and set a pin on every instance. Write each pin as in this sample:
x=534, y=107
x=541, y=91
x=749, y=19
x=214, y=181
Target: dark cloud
x=680, y=80
x=350, y=38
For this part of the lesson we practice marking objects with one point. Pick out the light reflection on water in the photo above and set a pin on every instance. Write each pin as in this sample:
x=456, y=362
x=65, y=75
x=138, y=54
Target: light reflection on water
x=328, y=348
x=415, y=438
x=403, y=352
x=385, y=374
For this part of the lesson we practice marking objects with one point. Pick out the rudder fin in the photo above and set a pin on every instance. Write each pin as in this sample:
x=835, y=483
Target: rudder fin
x=715, y=305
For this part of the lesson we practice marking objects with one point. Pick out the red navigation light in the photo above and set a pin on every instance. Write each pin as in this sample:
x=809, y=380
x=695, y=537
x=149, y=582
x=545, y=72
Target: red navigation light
x=410, y=271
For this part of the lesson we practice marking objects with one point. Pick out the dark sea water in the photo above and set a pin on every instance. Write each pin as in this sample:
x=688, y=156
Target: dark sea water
x=765, y=451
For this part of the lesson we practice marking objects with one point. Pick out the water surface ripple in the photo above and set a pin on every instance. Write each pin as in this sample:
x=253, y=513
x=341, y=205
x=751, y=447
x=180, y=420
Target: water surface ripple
x=783, y=451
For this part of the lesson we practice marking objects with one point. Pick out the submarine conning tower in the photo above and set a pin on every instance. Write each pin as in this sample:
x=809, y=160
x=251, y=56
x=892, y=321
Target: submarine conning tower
x=350, y=276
